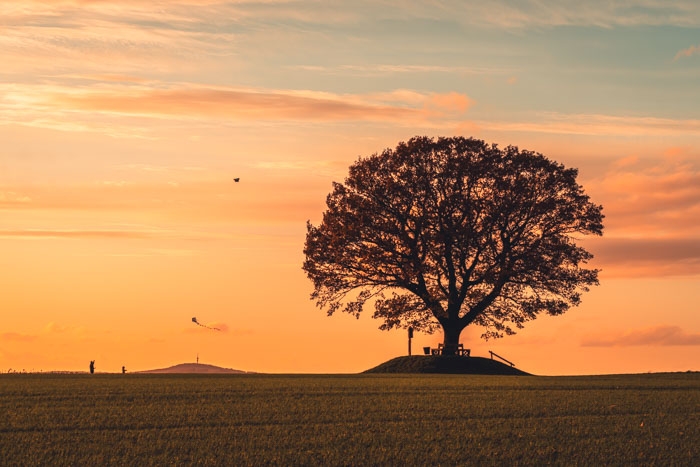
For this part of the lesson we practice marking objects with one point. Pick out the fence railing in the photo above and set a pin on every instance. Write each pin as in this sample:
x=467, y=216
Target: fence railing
x=501, y=358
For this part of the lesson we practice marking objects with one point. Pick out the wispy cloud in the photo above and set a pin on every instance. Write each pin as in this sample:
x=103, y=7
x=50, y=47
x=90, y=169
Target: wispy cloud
x=17, y=337
x=652, y=209
x=12, y=197
x=689, y=52
x=498, y=12
x=654, y=336
x=389, y=69
x=150, y=38
x=597, y=13
x=595, y=125
x=115, y=38
x=182, y=211
x=108, y=106
x=51, y=329
x=658, y=198
x=141, y=38
x=56, y=328
x=161, y=168
x=35, y=105
x=648, y=257
x=147, y=250
x=106, y=234
x=244, y=104
x=333, y=168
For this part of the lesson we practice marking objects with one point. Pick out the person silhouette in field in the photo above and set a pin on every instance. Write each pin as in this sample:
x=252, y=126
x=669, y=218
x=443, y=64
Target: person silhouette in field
x=92, y=367
x=123, y=369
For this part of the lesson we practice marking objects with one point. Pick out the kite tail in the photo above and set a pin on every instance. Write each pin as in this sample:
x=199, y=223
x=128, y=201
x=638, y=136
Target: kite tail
x=194, y=320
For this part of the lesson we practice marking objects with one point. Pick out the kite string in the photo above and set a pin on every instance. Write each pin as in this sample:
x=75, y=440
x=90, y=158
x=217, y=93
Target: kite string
x=194, y=320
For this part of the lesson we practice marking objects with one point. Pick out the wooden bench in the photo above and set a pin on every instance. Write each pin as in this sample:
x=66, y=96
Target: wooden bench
x=460, y=350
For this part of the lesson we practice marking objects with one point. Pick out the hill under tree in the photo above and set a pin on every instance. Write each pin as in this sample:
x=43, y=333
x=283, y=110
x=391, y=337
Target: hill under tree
x=446, y=365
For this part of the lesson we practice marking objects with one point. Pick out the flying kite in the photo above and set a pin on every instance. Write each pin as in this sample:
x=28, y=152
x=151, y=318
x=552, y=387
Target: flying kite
x=236, y=179
x=194, y=320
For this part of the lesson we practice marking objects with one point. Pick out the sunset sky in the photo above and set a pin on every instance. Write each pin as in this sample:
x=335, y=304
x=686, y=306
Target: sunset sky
x=123, y=123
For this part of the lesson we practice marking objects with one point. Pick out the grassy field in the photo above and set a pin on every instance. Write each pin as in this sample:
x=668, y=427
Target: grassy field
x=349, y=420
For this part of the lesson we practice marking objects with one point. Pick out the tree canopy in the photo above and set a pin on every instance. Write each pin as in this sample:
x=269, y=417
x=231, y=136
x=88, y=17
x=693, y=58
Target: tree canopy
x=448, y=232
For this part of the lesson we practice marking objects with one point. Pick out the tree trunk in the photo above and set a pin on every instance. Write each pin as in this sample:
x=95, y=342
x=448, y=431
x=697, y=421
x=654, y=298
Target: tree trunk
x=451, y=340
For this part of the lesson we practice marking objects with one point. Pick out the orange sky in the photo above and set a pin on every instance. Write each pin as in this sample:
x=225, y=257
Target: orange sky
x=123, y=124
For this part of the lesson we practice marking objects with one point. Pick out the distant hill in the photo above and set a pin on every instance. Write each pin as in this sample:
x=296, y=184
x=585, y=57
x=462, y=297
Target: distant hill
x=202, y=368
x=448, y=365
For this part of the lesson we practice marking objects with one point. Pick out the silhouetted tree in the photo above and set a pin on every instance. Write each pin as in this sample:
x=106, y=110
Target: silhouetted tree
x=450, y=232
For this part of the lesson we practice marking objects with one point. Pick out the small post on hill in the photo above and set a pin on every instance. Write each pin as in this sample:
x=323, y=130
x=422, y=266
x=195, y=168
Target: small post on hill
x=410, y=336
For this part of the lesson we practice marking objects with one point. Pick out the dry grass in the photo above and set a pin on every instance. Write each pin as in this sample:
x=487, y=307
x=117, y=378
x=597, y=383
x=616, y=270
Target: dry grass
x=349, y=420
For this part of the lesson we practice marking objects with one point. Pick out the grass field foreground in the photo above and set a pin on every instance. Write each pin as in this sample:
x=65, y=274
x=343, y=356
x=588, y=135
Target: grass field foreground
x=349, y=419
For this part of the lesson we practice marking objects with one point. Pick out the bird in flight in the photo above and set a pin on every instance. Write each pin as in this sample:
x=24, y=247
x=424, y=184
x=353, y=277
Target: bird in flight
x=236, y=179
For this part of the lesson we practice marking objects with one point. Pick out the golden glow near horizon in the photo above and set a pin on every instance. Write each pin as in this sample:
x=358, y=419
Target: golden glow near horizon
x=123, y=124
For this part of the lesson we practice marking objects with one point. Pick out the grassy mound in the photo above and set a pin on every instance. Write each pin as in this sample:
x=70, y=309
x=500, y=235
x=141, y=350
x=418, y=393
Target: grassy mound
x=448, y=365
x=192, y=368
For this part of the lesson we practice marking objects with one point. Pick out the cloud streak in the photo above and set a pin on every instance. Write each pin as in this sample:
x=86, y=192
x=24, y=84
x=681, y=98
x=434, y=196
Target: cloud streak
x=153, y=38
x=654, y=198
x=654, y=336
x=499, y=13
x=52, y=329
x=232, y=103
x=36, y=105
x=77, y=234
x=395, y=69
x=108, y=106
x=689, y=52
x=595, y=13
x=646, y=257
x=652, y=209
x=17, y=337
x=596, y=125
x=159, y=215
x=12, y=197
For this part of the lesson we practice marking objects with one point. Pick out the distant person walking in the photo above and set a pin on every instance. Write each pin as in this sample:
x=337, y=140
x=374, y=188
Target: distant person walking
x=92, y=367
x=123, y=369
